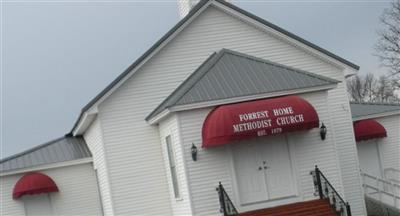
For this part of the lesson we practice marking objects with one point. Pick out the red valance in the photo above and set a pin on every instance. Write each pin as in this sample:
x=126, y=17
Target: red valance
x=258, y=118
x=368, y=129
x=34, y=183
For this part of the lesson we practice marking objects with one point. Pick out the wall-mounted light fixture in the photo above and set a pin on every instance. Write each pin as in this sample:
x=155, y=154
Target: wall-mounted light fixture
x=194, y=152
x=322, y=131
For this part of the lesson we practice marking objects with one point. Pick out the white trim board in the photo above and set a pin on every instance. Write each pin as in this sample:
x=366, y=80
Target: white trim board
x=48, y=166
x=377, y=115
x=156, y=119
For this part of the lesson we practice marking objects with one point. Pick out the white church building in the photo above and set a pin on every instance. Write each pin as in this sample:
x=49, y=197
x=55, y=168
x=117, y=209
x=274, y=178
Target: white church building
x=227, y=114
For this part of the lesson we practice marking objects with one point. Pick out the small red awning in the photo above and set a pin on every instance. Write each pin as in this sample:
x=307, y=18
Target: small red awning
x=258, y=118
x=368, y=129
x=34, y=183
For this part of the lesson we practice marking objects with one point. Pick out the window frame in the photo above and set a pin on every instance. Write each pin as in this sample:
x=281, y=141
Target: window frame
x=172, y=167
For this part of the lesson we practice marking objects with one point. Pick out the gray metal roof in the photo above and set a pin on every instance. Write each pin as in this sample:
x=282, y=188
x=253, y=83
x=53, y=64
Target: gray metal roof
x=365, y=109
x=192, y=12
x=59, y=150
x=229, y=74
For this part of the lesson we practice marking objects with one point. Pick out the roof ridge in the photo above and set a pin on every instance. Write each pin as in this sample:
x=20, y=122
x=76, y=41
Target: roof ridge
x=214, y=57
x=206, y=68
x=289, y=34
x=193, y=11
x=35, y=148
x=264, y=61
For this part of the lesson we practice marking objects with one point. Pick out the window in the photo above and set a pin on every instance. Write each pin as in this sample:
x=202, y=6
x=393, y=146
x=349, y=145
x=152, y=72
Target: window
x=172, y=166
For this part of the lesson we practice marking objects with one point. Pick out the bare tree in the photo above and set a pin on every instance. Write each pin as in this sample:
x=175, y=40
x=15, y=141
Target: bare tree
x=388, y=45
x=369, y=85
x=385, y=91
x=360, y=88
x=368, y=88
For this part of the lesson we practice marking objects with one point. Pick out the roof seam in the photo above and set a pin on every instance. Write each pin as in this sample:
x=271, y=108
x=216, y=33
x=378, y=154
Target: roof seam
x=31, y=150
x=36, y=166
x=35, y=148
x=264, y=61
x=208, y=67
x=165, y=101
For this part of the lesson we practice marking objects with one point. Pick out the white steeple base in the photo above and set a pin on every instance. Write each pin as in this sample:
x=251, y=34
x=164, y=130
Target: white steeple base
x=184, y=6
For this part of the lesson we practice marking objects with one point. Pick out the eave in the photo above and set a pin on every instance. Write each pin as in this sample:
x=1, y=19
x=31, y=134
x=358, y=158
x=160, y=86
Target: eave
x=165, y=113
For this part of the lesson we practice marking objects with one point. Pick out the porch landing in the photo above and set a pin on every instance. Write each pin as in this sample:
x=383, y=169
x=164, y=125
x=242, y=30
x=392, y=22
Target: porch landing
x=309, y=208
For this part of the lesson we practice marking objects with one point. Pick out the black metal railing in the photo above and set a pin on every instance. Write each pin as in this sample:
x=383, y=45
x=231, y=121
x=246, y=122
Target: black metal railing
x=226, y=205
x=325, y=190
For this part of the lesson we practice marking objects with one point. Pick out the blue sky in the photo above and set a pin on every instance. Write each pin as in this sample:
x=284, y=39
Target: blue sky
x=58, y=55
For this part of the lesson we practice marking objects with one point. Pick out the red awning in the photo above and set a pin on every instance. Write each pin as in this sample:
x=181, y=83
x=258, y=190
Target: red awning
x=368, y=129
x=34, y=183
x=258, y=118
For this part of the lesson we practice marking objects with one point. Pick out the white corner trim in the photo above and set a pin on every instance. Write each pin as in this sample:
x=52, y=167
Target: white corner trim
x=48, y=166
x=159, y=117
x=85, y=121
x=107, y=169
x=378, y=115
x=185, y=169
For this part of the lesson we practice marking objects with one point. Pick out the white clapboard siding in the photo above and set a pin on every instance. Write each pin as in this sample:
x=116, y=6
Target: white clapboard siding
x=310, y=150
x=389, y=147
x=133, y=150
x=339, y=106
x=169, y=127
x=94, y=140
x=8, y=206
x=78, y=193
x=214, y=164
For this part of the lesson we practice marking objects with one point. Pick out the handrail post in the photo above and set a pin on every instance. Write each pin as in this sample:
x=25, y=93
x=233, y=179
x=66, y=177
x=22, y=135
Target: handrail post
x=222, y=198
x=226, y=205
x=364, y=181
x=333, y=197
x=379, y=189
x=319, y=185
x=348, y=210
